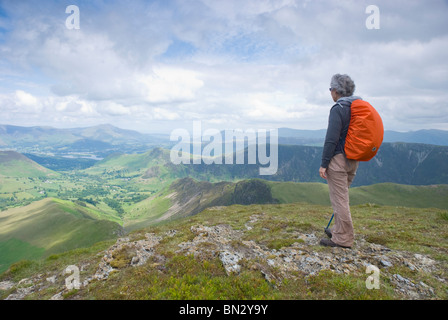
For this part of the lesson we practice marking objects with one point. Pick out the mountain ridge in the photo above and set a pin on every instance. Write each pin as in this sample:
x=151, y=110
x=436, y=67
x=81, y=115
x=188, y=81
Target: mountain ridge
x=49, y=139
x=402, y=163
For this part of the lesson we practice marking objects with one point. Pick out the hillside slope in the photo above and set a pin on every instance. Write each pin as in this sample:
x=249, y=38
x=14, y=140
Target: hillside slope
x=47, y=227
x=186, y=197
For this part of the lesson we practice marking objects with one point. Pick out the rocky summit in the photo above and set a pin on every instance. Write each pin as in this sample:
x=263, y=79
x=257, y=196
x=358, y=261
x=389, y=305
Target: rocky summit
x=399, y=270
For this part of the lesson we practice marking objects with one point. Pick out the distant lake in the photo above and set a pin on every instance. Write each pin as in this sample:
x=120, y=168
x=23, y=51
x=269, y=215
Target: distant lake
x=83, y=156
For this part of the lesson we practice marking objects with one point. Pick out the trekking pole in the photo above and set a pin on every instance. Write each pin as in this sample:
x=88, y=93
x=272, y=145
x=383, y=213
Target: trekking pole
x=330, y=220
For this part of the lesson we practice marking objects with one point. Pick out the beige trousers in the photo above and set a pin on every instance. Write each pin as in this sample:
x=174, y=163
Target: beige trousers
x=340, y=174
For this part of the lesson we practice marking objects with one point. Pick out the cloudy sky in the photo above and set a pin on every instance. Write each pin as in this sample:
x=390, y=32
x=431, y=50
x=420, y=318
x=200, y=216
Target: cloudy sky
x=154, y=66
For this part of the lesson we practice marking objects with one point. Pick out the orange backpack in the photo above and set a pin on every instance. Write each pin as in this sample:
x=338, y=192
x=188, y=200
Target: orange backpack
x=365, y=132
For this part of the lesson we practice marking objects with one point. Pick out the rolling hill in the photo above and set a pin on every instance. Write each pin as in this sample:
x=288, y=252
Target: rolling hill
x=14, y=164
x=48, y=227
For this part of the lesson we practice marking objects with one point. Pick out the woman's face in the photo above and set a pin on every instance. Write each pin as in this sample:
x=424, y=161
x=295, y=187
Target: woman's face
x=334, y=95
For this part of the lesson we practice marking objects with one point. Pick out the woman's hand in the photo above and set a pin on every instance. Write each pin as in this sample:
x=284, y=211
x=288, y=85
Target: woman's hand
x=323, y=172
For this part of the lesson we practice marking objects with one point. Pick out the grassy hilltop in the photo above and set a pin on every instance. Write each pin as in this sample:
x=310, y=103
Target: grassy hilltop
x=259, y=251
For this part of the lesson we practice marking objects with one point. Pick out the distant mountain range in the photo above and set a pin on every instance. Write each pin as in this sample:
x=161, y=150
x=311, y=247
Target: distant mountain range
x=421, y=159
x=102, y=140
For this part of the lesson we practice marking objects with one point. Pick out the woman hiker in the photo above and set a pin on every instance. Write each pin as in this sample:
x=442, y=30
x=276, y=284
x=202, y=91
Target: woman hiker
x=335, y=167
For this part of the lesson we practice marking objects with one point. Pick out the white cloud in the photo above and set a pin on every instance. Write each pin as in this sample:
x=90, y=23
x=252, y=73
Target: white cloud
x=112, y=108
x=230, y=63
x=163, y=114
x=169, y=84
x=25, y=99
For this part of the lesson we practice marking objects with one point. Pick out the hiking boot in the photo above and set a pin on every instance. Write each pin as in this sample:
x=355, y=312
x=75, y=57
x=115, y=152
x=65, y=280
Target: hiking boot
x=329, y=243
x=328, y=232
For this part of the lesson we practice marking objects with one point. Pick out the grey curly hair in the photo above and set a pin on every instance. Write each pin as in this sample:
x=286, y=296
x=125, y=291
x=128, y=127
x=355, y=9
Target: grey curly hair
x=343, y=85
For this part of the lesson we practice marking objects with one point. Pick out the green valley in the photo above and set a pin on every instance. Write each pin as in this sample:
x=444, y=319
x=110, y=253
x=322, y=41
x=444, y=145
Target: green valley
x=76, y=208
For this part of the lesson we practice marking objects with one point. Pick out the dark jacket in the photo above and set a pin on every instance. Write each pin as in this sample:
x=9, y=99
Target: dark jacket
x=338, y=123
